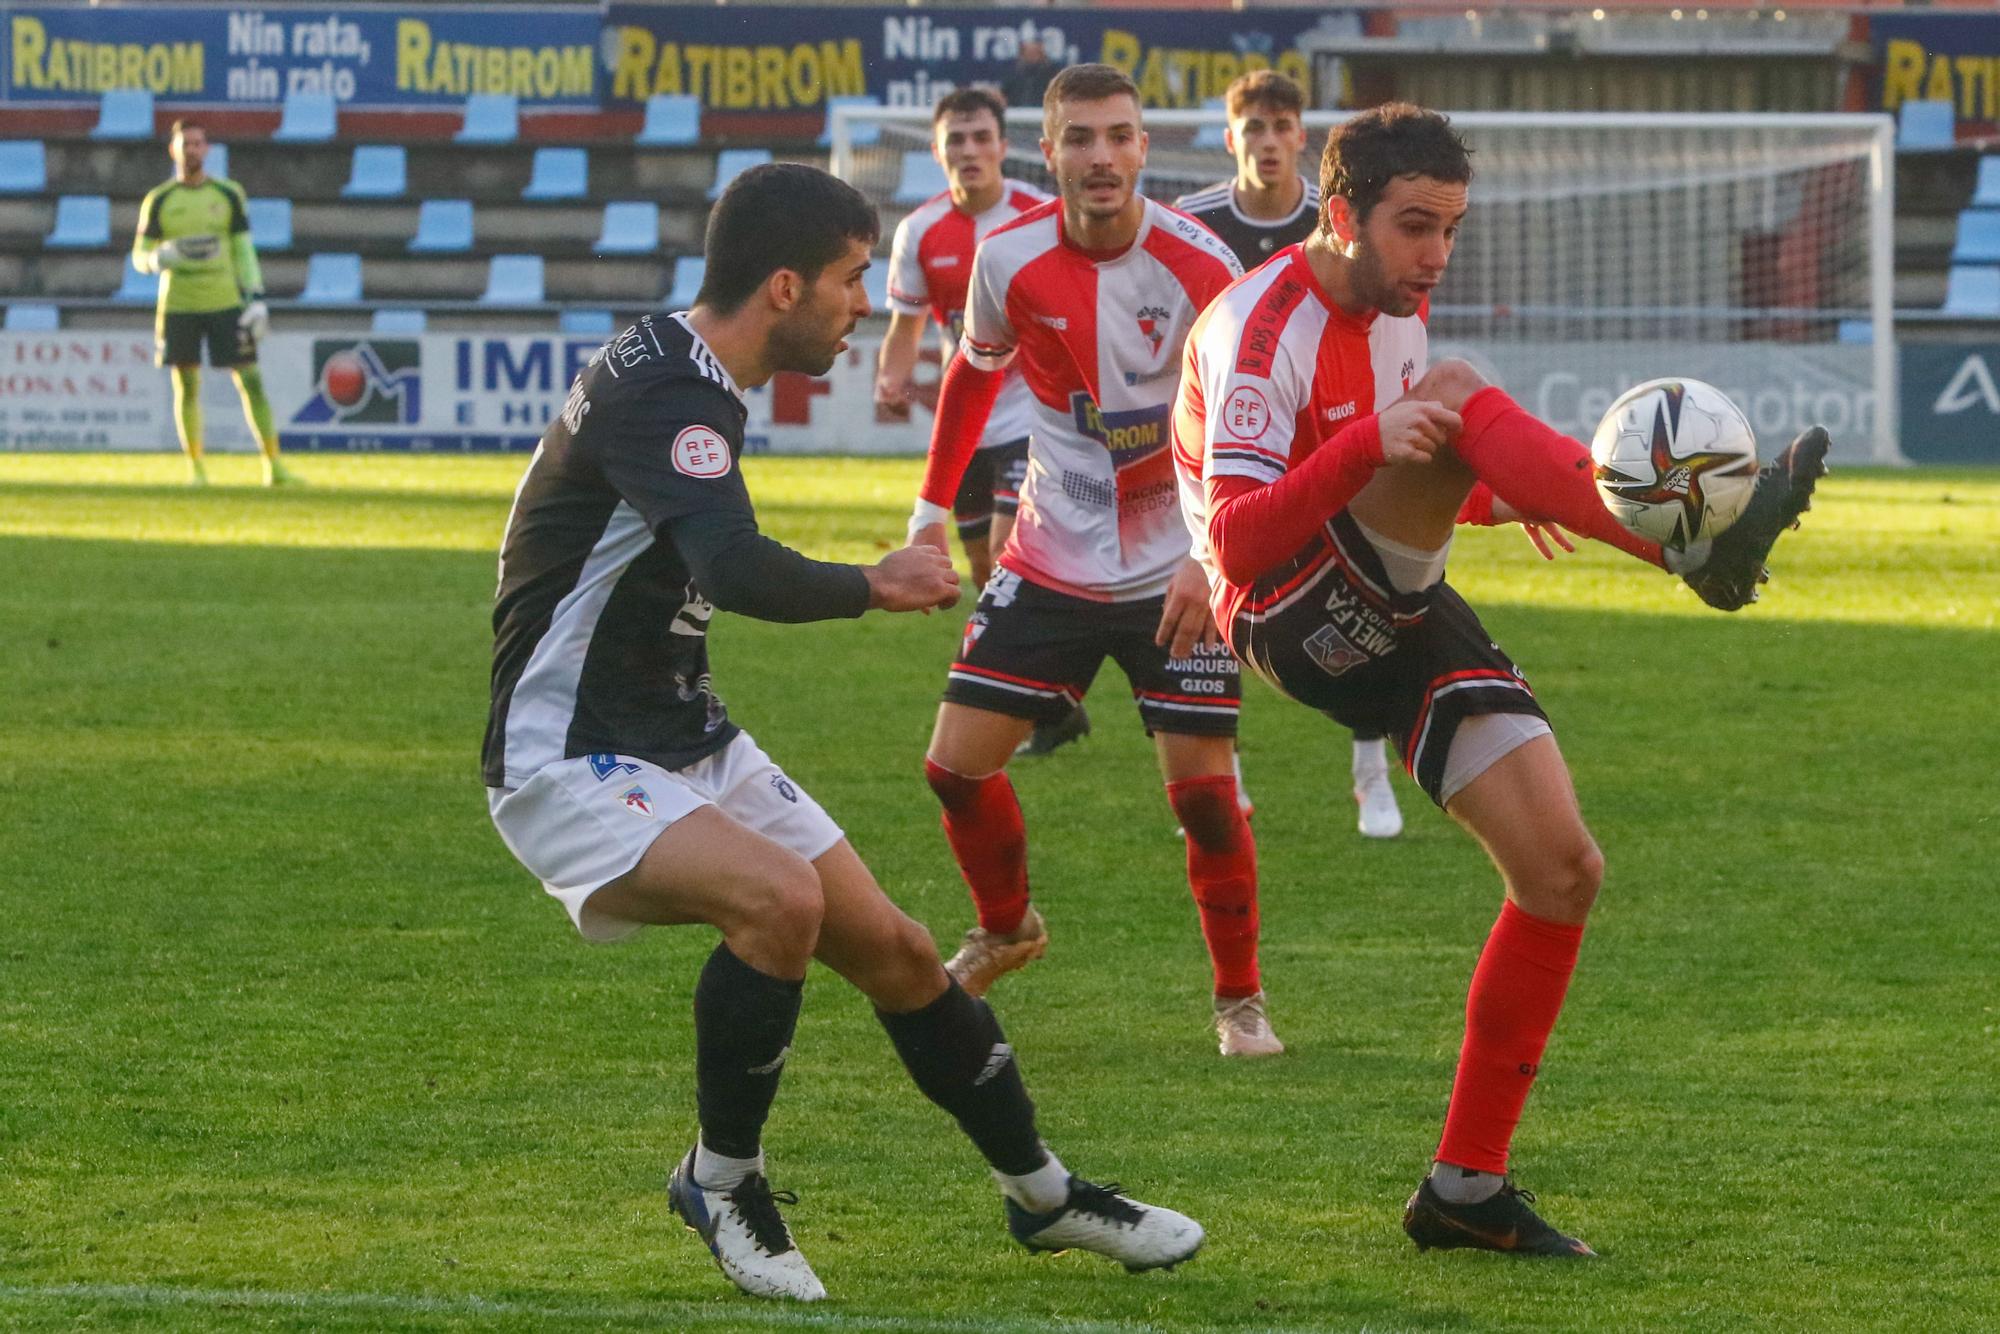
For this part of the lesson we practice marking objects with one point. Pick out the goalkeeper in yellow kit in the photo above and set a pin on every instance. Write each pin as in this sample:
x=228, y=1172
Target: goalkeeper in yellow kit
x=194, y=231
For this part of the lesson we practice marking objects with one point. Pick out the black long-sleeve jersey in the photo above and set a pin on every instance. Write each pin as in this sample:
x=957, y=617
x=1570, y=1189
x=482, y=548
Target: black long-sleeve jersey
x=631, y=527
x=1253, y=240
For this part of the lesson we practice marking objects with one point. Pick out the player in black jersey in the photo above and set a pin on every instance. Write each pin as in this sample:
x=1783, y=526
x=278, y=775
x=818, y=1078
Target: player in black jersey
x=616, y=775
x=1267, y=206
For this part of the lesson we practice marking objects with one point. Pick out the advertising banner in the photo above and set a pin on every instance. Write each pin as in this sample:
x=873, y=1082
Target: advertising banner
x=1951, y=402
x=1951, y=58
x=783, y=58
x=366, y=56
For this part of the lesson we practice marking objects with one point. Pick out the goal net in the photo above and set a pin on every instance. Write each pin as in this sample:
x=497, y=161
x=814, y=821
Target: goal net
x=1602, y=249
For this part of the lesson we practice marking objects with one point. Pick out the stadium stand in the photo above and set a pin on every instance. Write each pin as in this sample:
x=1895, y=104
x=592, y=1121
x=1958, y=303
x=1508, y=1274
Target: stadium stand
x=866, y=135
x=490, y=118
x=217, y=162
x=631, y=227
x=733, y=162
x=398, y=320
x=1210, y=136
x=380, y=171
x=1973, y=290
x=332, y=279
x=138, y=287
x=124, y=113
x=1978, y=237
x=271, y=224
x=1924, y=126
x=559, y=173
x=444, y=226
x=688, y=273
x=1986, y=193
x=308, y=118
x=575, y=321
x=32, y=317
x=921, y=179
x=875, y=282
x=24, y=167
x=83, y=222
x=672, y=121
x=514, y=280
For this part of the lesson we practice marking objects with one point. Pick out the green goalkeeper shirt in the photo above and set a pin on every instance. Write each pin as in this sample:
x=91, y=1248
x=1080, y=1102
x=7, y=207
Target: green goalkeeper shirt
x=215, y=276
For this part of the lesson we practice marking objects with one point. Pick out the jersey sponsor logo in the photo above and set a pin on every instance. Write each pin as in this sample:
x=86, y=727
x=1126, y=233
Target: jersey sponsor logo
x=1342, y=411
x=1245, y=413
x=1266, y=325
x=636, y=800
x=1060, y=323
x=1153, y=325
x=700, y=451
x=944, y=262
x=606, y=765
x=372, y=381
x=1128, y=435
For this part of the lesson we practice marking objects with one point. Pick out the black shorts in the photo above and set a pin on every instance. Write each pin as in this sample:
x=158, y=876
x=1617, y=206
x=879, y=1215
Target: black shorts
x=1031, y=652
x=991, y=485
x=177, y=339
x=1327, y=629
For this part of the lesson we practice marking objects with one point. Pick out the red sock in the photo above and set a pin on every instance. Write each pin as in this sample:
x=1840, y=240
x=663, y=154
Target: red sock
x=982, y=822
x=1540, y=471
x=1222, y=873
x=1517, y=992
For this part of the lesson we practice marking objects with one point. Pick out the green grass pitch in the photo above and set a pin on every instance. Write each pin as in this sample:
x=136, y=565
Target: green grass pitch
x=287, y=1040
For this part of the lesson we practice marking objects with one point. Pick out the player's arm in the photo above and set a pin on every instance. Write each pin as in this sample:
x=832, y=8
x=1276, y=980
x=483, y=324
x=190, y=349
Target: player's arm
x=149, y=243
x=256, y=317
x=909, y=303
x=970, y=387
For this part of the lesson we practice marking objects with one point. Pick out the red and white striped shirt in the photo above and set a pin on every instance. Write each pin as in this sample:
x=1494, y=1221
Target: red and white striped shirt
x=1273, y=373
x=1098, y=339
x=930, y=266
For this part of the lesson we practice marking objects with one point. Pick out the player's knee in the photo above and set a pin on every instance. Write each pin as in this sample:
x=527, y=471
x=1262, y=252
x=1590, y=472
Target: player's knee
x=1449, y=382
x=954, y=790
x=782, y=904
x=910, y=966
x=1572, y=881
x=1208, y=812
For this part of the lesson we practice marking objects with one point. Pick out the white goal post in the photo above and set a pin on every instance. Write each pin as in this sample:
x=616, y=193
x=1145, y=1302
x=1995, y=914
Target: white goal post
x=1604, y=248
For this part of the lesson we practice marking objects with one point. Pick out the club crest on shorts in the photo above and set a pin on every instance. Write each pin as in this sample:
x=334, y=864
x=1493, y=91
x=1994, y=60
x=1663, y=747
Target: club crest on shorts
x=1333, y=651
x=606, y=765
x=636, y=801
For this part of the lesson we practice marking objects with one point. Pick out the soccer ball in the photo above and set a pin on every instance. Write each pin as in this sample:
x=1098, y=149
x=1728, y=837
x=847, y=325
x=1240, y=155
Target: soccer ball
x=1675, y=461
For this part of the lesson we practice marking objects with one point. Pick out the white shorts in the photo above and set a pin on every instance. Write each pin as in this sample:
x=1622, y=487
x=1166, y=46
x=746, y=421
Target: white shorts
x=579, y=824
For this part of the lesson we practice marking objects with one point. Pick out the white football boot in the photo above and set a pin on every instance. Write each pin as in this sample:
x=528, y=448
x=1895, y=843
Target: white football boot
x=985, y=955
x=1103, y=1219
x=745, y=1233
x=1244, y=1029
x=1380, y=817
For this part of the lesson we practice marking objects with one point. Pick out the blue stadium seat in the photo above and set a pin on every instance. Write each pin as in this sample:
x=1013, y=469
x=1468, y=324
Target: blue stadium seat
x=33, y=317
x=490, y=118
x=672, y=121
x=216, y=163
x=688, y=273
x=332, y=279
x=630, y=228
x=922, y=178
x=559, y=173
x=1925, y=125
x=309, y=118
x=379, y=172
x=138, y=287
x=125, y=113
x=1210, y=135
x=444, y=227
x=83, y=222
x=24, y=166
x=875, y=282
x=1856, y=331
x=733, y=162
x=1973, y=289
x=271, y=223
x=514, y=280
x=592, y=322
x=1987, y=193
x=398, y=320
x=1978, y=237
x=866, y=133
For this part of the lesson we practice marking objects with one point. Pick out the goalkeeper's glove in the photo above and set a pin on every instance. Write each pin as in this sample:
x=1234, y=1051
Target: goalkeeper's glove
x=255, y=321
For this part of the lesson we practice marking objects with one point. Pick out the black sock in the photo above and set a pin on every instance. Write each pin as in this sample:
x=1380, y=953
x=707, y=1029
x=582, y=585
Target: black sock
x=743, y=1023
x=955, y=1050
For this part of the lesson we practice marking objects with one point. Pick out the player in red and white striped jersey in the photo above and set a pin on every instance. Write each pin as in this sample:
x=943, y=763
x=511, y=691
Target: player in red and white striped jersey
x=1091, y=296
x=930, y=264
x=1322, y=466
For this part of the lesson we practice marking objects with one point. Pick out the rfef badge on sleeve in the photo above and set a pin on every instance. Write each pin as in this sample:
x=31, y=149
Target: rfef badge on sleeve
x=700, y=451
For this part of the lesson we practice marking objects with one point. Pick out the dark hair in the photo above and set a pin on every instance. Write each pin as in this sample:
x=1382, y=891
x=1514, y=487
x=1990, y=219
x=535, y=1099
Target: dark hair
x=184, y=124
x=1396, y=139
x=970, y=102
x=1084, y=83
x=782, y=215
x=1265, y=88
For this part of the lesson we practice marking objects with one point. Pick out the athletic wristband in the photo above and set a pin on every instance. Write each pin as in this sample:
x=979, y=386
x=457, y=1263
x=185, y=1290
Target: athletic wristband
x=924, y=515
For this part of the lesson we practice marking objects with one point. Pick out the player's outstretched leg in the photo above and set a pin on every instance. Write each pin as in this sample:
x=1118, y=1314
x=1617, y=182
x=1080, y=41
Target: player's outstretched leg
x=1523, y=809
x=959, y=1058
x=1380, y=817
x=989, y=840
x=1728, y=579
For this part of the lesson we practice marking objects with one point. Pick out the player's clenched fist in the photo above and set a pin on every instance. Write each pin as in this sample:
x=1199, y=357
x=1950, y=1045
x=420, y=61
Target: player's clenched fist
x=1411, y=430
x=915, y=578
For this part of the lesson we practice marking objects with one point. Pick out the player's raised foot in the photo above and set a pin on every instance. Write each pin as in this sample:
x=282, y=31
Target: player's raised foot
x=1380, y=816
x=1728, y=579
x=1106, y=1220
x=985, y=955
x=1243, y=1027
x=1500, y=1222
x=745, y=1233
x=1048, y=737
